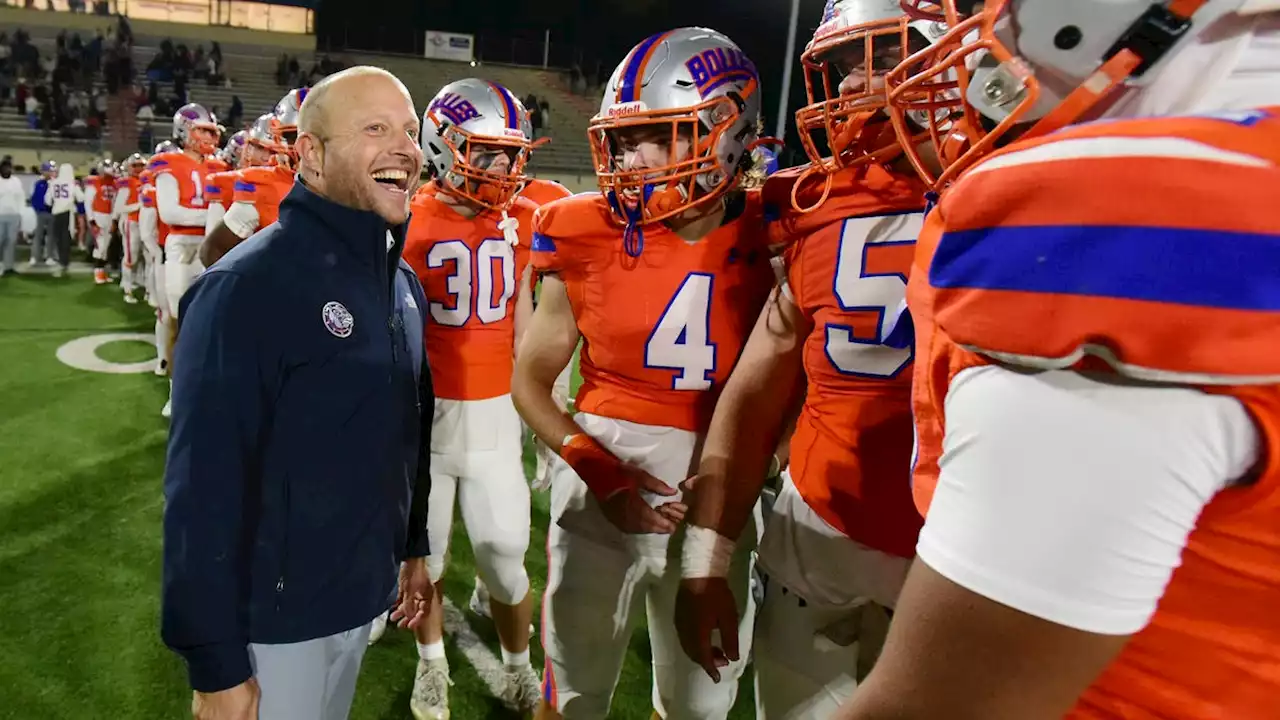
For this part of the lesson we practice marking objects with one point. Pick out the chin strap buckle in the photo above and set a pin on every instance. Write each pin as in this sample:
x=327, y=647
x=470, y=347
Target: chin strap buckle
x=1153, y=34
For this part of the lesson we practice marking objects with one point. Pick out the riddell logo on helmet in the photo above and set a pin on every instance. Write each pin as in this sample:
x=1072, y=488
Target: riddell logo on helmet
x=455, y=107
x=625, y=109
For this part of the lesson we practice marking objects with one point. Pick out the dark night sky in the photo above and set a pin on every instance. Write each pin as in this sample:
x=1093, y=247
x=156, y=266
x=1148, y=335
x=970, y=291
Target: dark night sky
x=588, y=31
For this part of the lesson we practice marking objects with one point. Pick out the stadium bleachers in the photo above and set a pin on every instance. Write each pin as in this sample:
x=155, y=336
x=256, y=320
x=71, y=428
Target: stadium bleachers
x=251, y=69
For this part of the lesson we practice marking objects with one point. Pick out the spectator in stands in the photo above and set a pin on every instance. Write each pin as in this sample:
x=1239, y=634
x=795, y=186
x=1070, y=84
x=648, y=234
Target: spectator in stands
x=544, y=109
x=282, y=69
x=42, y=240
x=32, y=111
x=124, y=32
x=212, y=76
x=201, y=67
x=215, y=52
x=235, y=113
x=12, y=200
x=20, y=95
x=295, y=73
x=91, y=62
x=535, y=118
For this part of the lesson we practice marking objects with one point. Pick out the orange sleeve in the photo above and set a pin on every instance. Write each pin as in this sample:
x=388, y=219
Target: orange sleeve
x=248, y=188
x=545, y=253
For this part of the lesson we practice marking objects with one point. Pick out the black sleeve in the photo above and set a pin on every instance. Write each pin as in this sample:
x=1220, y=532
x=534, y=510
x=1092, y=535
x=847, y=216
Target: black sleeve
x=213, y=435
x=417, y=543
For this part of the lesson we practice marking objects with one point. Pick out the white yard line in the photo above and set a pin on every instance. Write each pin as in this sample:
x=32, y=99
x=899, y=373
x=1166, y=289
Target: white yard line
x=487, y=665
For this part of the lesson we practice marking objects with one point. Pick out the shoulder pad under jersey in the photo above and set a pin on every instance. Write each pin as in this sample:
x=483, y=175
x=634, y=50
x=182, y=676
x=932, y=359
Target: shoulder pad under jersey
x=166, y=162
x=859, y=192
x=1150, y=244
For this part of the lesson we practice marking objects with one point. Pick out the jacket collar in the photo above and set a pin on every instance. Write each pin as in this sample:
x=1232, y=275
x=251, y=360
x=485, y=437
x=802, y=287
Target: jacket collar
x=363, y=232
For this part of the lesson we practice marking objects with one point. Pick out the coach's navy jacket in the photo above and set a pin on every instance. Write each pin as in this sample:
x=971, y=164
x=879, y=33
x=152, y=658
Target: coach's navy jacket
x=299, y=439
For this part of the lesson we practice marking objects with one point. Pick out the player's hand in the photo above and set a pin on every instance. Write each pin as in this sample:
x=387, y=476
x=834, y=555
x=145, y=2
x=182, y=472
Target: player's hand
x=704, y=605
x=237, y=703
x=413, y=598
x=630, y=512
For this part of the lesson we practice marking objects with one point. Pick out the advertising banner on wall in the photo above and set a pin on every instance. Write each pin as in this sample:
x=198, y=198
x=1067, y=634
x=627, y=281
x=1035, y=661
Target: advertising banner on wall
x=450, y=46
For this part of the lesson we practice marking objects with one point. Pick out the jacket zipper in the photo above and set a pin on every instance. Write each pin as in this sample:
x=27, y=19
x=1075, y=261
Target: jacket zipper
x=284, y=551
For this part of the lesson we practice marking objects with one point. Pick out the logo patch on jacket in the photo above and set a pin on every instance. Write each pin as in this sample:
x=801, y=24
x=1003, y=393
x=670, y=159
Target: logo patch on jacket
x=337, y=319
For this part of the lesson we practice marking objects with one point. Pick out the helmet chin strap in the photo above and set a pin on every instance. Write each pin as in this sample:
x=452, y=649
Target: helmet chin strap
x=508, y=226
x=633, y=235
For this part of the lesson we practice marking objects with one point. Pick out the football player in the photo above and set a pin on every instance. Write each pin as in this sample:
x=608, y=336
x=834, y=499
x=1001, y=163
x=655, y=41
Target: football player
x=152, y=232
x=843, y=528
x=540, y=191
x=1096, y=395
x=259, y=188
x=469, y=241
x=100, y=195
x=125, y=209
x=661, y=275
x=219, y=187
x=180, y=203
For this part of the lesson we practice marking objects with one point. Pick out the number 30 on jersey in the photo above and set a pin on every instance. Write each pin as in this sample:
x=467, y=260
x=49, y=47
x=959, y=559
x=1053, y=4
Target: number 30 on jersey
x=477, y=299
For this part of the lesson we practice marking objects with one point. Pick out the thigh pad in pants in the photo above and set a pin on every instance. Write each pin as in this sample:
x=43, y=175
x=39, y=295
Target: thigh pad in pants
x=181, y=268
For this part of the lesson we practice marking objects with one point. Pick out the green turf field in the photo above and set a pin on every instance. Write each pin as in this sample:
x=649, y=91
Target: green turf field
x=81, y=465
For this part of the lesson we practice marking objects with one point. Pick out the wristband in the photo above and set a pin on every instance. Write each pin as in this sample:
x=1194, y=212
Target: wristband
x=241, y=219
x=598, y=468
x=706, y=553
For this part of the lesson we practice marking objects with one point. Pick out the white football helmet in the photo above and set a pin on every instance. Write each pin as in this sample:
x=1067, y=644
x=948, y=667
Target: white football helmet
x=134, y=165
x=284, y=120
x=1025, y=68
x=696, y=84
x=464, y=127
x=188, y=124
x=857, y=44
x=166, y=146
x=233, y=152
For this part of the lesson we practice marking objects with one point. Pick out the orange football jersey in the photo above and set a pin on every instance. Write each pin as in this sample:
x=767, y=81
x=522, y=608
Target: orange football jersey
x=542, y=192
x=220, y=188
x=130, y=186
x=661, y=331
x=846, y=268
x=1147, y=248
x=148, y=196
x=215, y=165
x=104, y=194
x=470, y=274
x=190, y=175
x=265, y=186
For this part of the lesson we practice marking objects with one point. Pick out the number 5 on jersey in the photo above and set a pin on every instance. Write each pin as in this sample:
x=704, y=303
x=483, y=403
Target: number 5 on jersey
x=487, y=307
x=680, y=339
x=871, y=277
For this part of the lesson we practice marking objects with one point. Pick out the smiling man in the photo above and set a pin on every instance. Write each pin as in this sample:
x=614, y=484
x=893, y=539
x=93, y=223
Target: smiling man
x=308, y=335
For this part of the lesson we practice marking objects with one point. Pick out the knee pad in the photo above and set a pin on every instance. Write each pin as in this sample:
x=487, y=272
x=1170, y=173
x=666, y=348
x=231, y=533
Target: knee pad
x=500, y=564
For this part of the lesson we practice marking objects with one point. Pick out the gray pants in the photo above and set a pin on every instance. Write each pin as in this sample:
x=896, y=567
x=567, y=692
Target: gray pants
x=312, y=680
x=42, y=240
x=9, y=226
x=61, y=234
